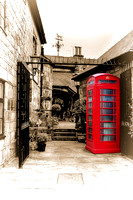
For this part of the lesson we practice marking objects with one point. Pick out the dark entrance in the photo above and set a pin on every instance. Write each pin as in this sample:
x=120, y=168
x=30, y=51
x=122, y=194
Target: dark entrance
x=64, y=96
x=23, y=83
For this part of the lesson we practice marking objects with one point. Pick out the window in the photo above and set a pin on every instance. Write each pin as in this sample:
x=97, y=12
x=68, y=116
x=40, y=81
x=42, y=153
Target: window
x=90, y=93
x=2, y=13
x=108, y=81
x=34, y=45
x=107, y=114
x=1, y=107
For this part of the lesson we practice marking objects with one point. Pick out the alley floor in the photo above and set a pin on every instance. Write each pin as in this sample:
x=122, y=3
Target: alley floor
x=66, y=170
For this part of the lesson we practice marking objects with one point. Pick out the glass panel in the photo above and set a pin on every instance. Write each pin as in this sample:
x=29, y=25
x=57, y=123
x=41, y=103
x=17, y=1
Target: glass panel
x=90, y=130
x=90, y=111
x=107, y=91
x=108, y=118
x=90, y=99
x=1, y=110
x=90, y=105
x=0, y=126
x=90, y=123
x=108, y=138
x=107, y=81
x=91, y=82
x=107, y=131
x=90, y=117
x=107, y=111
x=107, y=105
x=107, y=124
x=107, y=98
x=90, y=92
x=1, y=90
x=90, y=137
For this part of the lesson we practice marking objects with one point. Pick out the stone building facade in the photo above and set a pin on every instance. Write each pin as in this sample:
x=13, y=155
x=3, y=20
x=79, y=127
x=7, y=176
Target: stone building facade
x=20, y=38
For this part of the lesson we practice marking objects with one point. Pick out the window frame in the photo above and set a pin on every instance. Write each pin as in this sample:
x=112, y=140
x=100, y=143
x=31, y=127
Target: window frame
x=2, y=101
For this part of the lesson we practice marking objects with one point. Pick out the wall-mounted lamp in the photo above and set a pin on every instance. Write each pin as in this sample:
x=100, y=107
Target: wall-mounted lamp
x=35, y=60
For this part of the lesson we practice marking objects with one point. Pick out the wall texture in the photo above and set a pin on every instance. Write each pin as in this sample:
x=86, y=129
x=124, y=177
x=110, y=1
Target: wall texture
x=16, y=44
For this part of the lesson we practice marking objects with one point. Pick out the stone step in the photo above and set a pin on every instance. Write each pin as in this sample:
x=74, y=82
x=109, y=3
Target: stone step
x=64, y=134
x=64, y=138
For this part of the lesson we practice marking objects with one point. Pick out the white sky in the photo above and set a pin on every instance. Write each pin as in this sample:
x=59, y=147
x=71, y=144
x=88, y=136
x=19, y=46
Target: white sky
x=95, y=25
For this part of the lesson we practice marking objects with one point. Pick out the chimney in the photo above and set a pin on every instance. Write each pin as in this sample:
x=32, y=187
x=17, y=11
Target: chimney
x=78, y=51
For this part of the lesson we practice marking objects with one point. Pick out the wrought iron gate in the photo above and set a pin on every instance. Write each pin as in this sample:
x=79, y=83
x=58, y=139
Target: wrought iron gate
x=23, y=84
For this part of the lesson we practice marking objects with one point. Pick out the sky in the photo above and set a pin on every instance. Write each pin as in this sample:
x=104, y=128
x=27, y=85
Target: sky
x=94, y=25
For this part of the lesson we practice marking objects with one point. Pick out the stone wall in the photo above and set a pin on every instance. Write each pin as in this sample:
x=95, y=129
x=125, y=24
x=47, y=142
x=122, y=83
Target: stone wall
x=47, y=89
x=16, y=44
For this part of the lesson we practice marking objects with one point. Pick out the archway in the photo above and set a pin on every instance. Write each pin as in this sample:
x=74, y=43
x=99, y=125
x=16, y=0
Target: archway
x=64, y=96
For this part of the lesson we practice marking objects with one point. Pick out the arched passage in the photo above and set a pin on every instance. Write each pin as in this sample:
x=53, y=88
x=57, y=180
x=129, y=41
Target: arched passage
x=64, y=96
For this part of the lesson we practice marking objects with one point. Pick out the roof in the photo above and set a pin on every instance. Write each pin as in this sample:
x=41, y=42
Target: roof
x=102, y=74
x=37, y=20
x=121, y=51
x=63, y=79
x=121, y=47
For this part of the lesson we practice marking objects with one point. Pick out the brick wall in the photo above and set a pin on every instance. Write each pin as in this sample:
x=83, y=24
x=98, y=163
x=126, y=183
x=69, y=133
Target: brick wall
x=16, y=44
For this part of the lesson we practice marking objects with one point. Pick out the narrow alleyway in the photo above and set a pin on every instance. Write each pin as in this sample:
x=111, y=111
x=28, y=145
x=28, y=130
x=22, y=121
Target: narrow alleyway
x=66, y=170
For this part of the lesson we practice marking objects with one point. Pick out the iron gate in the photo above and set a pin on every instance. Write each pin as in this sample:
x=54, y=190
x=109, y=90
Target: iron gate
x=23, y=85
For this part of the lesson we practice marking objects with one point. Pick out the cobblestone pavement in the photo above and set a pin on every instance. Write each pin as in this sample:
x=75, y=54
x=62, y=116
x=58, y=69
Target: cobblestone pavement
x=66, y=170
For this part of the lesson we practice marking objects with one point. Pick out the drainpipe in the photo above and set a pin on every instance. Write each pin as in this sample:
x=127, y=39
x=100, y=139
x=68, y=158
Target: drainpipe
x=42, y=53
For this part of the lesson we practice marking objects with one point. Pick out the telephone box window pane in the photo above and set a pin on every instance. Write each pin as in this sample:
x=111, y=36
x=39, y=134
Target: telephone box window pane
x=90, y=137
x=90, y=105
x=90, y=123
x=90, y=92
x=1, y=90
x=1, y=110
x=90, y=99
x=107, y=138
x=107, y=105
x=107, y=91
x=90, y=130
x=107, y=98
x=108, y=118
x=90, y=111
x=107, y=131
x=107, y=111
x=107, y=124
x=0, y=126
x=90, y=117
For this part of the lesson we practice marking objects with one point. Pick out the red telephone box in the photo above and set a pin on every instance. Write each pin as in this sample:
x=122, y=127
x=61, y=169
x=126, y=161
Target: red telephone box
x=103, y=114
